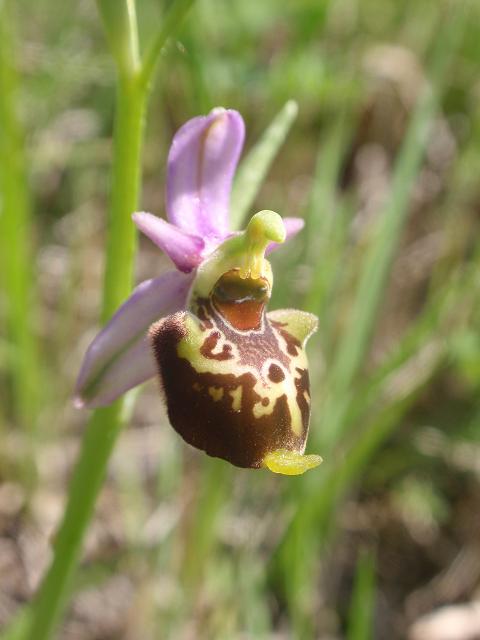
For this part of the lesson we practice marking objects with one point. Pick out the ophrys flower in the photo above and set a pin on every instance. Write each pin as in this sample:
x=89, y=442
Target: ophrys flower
x=235, y=378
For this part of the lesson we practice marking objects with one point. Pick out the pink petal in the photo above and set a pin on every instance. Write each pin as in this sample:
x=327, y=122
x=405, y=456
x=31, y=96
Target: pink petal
x=292, y=227
x=201, y=165
x=183, y=248
x=118, y=358
x=131, y=367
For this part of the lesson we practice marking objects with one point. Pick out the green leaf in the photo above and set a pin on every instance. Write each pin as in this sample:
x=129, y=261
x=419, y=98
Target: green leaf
x=17, y=628
x=378, y=260
x=360, y=622
x=255, y=165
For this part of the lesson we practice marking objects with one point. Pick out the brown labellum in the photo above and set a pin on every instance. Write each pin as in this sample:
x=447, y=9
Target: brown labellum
x=235, y=379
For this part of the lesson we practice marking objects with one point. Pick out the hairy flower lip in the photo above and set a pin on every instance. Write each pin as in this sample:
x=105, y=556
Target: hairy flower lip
x=201, y=165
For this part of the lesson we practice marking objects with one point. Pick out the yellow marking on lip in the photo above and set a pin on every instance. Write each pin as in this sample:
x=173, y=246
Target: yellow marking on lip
x=189, y=348
x=216, y=393
x=237, y=398
x=259, y=409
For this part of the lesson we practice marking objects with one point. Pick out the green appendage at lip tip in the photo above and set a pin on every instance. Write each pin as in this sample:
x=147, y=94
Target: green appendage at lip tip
x=290, y=463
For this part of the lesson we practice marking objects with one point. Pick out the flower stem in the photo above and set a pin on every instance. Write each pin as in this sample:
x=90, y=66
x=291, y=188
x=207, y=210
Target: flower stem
x=97, y=445
x=106, y=423
x=121, y=243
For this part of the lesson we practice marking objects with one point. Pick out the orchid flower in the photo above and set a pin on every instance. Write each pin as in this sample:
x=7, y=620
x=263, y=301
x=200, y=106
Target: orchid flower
x=235, y=379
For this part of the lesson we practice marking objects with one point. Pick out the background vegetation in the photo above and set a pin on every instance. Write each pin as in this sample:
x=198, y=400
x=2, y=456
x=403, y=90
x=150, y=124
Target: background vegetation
x=383, y=162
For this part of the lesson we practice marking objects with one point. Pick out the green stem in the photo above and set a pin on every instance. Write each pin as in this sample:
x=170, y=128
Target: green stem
x=106, y=423
x=121, y=244
x=120, y=23
x=98, y=442
x=15, y=240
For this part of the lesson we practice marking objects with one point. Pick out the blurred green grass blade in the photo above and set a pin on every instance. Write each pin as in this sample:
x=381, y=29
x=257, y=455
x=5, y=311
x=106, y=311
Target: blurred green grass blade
x=425, y=338
x=422, y=343
x=327, y=219
x=318, y=495
x=16, y=257
x=360, y=619
x=341, y=471
x=254, y=605
x=169, y=25
x=374, y=275
x=322, y=207
x=215, y=483
x=298, y=574
x=313, y=524
x=254, y=167
x=199, y=88
x=17, y=627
